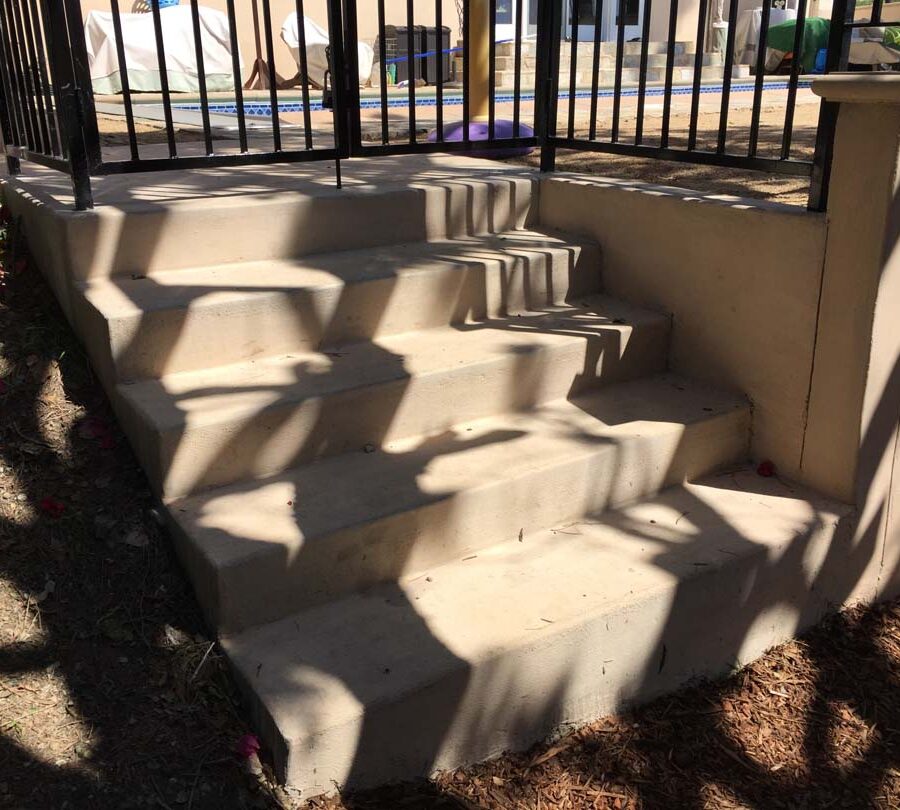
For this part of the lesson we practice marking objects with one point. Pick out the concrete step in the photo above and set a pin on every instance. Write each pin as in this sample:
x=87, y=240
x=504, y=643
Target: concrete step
x=494, y=652
x=171, y=322
x=529, y=47
x=630, y=76
x=145, y=237
x=655, y=60
x=206, y=428
x=585, y=61
x=327, y=529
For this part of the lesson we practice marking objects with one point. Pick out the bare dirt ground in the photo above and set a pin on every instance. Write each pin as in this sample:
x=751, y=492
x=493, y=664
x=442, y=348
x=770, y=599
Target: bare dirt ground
x=709, y=179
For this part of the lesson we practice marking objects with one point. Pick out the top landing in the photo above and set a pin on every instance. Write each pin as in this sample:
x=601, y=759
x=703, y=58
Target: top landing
x=234, y=184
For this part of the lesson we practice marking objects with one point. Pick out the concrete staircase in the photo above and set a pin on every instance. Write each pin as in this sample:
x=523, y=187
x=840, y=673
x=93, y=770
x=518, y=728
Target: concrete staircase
x=683, y=64
x=428, y=480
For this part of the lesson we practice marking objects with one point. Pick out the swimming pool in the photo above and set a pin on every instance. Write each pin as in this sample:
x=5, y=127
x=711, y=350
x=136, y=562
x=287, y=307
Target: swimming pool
x=453, y=98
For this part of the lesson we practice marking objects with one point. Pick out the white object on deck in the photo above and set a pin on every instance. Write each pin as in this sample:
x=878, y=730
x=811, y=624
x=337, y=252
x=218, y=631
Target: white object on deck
x=317, y=41
x=141, y=60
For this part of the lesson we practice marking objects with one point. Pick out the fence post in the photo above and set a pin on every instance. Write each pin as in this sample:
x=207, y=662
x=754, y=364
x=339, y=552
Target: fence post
x=70, y=109
x=839, y=34
x=549, y=34
x=12, y=163
x=345, y=77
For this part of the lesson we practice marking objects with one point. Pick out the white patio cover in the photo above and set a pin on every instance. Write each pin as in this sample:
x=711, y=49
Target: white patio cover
x=141, y=62
x=316, y=43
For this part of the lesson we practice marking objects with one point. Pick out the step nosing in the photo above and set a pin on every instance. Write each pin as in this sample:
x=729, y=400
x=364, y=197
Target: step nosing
x=499, y=349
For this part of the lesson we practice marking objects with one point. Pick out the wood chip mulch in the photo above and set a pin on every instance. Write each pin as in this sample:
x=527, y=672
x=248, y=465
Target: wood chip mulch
x=114, y=695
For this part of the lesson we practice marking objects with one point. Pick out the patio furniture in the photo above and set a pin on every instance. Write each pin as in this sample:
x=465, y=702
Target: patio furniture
x=141, y=60
x=317, y=43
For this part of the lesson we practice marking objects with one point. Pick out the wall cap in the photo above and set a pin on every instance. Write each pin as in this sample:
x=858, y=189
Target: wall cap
x=859, y=88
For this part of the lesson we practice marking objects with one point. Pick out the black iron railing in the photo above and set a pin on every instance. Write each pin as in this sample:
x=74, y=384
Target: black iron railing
x=47, y=103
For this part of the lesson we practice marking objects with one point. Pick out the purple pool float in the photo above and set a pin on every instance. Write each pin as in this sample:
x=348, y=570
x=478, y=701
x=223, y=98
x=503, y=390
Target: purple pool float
x=478, y=131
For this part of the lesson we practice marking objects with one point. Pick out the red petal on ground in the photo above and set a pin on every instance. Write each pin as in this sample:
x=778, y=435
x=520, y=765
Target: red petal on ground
x=766, y=469
x=52, y=507
x=247, y=746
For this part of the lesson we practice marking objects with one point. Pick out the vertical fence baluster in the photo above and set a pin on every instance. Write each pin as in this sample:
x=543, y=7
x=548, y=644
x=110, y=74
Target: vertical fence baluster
x=761, y=45
x=550, y=21
x=382, y=69
x=620, y=56
x=726, y=79
x=439, y=64
x=573, y=66
x=670, y=66
x=201, y=77
x=595, y=68
x=163, y=78
x=492, y=66
x=81, y=73
x=465, y=92
x=517, y=67
x=31, y=127
x=788, y=132
x=37, y=129
x=842, y=14
x=412, y=69
x=123, y=73
x=698, y=72
x=304, y=69
x=272, y=73
x=10, y=95
x=642, y=76
x=7, y=126
x=236, y=75
x=41, y=89
x=63, y=31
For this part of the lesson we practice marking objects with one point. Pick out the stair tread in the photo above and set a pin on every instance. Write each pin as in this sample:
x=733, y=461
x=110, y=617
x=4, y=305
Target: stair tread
x=331, y=664
x=213, y=285
x=216, y=394
x=280, y=514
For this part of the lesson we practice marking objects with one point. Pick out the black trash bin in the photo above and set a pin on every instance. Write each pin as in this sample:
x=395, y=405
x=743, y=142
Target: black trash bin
x=396, y=47
x=436, y=46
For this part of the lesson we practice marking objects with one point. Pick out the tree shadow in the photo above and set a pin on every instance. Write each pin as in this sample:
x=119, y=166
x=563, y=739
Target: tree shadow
x=804, y=578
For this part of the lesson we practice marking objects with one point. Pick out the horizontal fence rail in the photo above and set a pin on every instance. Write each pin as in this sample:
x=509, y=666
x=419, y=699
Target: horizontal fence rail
x=662, y=79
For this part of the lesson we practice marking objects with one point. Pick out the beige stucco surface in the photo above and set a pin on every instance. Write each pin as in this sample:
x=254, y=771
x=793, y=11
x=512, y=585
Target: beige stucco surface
x=740, y=280
x=852, y=397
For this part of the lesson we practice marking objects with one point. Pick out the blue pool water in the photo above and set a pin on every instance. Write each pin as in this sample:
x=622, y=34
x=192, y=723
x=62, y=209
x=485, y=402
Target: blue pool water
x=263, y=109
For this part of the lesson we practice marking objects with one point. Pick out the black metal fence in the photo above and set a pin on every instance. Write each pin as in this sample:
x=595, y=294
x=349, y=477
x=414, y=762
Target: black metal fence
x=570, y=53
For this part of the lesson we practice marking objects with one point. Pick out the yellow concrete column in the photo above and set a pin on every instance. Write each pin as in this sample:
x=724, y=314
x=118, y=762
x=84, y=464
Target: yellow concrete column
x=479, y=58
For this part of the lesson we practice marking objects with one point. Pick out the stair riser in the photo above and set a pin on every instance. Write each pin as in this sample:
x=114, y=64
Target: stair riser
x=585, y=62
x=630, y=76
x=453, y=525
x=185, y=459
x=607, y=48
x=694, y=625
x=147, y=239
x=153, y=343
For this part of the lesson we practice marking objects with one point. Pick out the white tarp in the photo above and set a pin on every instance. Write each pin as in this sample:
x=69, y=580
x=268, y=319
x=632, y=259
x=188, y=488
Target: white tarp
x=139, y=36
x=316, y=43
